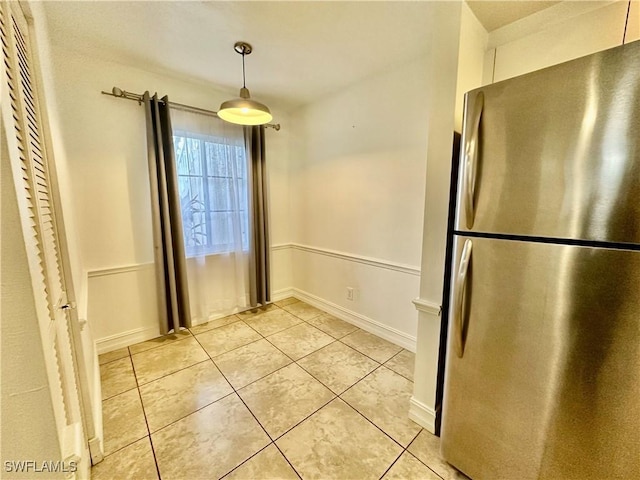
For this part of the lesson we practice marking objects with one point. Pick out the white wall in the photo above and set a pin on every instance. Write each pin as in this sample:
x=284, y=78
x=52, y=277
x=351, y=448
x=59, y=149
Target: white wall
x=278, y=170
x=357, y=189
x=446, y=82
x=358, y=169
x=471, y=53
x=559, y=34
x=359, y=160
x=104, y=143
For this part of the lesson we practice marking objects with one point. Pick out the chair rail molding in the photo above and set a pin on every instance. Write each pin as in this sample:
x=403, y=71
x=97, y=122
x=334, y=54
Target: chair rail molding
x=426, y=306
x=374, y=262
x=101, y=272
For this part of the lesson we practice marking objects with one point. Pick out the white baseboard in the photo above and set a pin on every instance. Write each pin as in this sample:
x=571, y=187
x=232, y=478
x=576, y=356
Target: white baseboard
x=131, y=337
x=282, y=294
x=96, y=444
x=124, y=339
x=422, y=414
x=373, y=326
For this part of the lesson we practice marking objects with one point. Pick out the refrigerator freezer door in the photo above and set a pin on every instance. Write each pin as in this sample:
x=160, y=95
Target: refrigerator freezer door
x=543, y=362
x=556, y=153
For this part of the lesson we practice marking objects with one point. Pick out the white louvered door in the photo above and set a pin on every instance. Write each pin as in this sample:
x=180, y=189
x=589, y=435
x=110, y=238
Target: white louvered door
x=27, y=152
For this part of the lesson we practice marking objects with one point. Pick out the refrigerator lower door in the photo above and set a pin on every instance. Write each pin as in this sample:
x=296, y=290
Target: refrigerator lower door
x=543, y=362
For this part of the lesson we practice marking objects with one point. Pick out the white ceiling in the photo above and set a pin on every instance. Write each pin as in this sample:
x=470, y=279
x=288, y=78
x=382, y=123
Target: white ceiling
x=494, y=15
x=301, y=50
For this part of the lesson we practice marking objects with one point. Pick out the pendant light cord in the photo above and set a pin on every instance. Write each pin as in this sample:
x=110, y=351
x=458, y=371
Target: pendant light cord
x=626, y=22
x=244, y=83
x=493, y=71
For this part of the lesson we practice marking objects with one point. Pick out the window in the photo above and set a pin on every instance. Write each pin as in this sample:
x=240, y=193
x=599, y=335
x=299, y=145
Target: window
x=212, y=180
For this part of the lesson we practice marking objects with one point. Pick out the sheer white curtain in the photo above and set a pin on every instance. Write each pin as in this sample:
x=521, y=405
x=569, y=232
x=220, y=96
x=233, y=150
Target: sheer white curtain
x=212, y=175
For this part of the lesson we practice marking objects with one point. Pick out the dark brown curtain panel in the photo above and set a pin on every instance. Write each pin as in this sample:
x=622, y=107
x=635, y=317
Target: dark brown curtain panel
x=260, y=283
x=168, y=243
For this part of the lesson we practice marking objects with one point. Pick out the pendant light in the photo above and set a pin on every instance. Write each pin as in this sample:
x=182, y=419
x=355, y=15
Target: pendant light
x=244, y=110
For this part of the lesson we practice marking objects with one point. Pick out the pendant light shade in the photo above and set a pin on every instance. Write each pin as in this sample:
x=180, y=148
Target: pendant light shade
x=244, y=110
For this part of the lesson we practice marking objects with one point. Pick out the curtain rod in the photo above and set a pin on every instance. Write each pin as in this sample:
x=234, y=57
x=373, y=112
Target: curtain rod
x=118, y=93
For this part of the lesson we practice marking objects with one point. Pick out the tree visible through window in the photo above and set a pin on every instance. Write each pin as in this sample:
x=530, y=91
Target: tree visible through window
x=212, y=180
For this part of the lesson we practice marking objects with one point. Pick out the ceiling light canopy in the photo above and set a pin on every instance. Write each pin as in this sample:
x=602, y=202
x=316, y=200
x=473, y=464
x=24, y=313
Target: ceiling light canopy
x=244, y=110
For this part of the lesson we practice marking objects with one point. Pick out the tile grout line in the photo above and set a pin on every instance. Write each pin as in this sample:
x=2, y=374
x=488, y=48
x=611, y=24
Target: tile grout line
x=320, y=381
x=242, y=346
x=405, y=450
x=209, y=359
x=379, y=364
x=289, y=357
x=263, y=336
x=171, y=373
x=191, y=413
x=327, y=386
x=367, y=418
x=391, y=465
x=280, y=368
x=414, y=456
x=255, y=418
x=238, y=395
x=114, y=360
x=252, y=456
x=166, y=374
x=123, y=391
x=273, y=441
x=302, y=321
x=214, y=320
x=119, y=393
x=146, y=421
x=339, y=396
x=174, y=340
x=233, y=349
x=362, y=414
x=306, y=418
x=212, y=358
x=289, y=462
x=335, y=395
x=403, y=349
x=137, y=439
x=387, y=341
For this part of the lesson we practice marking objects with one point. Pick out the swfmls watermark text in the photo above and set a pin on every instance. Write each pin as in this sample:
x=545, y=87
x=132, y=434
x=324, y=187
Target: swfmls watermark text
x=34, y=466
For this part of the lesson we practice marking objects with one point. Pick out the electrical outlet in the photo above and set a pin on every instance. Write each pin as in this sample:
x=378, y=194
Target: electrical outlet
x=350, y=293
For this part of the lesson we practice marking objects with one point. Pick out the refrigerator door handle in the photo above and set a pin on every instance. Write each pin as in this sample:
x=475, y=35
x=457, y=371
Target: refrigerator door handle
x=471, y=159
x=459, y=300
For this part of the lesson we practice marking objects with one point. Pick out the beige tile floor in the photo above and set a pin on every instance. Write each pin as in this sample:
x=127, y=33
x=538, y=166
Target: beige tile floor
x=285, y=392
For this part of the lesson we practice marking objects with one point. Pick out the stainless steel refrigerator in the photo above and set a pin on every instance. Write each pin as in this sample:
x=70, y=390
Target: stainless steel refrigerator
x=543, y=356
